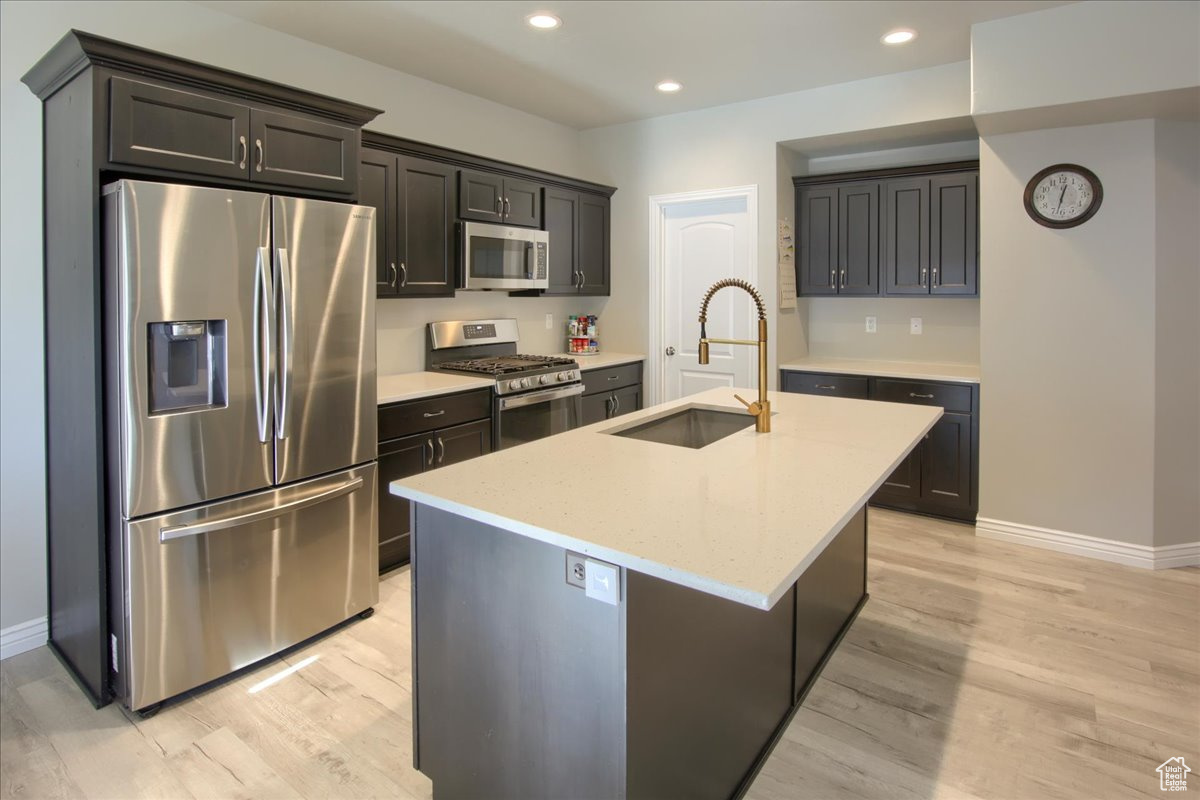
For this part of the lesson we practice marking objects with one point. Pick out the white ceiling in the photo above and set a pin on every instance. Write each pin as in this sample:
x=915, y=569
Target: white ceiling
x=600, y=67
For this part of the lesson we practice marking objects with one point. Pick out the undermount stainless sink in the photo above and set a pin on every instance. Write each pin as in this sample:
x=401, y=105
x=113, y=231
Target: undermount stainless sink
x=693, y=426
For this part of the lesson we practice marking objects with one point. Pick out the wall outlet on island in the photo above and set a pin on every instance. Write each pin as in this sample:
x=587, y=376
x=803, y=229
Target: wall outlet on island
x=549, y=322
x=914, y=326
x=870, y=324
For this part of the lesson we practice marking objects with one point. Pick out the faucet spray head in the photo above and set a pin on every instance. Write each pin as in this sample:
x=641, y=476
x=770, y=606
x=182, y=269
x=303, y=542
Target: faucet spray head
x=703, y=351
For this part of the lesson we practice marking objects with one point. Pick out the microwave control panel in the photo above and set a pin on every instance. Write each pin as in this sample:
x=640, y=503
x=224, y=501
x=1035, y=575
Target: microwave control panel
x=541, y=260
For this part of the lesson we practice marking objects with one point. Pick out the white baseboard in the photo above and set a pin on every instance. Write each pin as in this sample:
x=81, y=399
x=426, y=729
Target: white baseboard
x=22, y=637
x=1133, y=555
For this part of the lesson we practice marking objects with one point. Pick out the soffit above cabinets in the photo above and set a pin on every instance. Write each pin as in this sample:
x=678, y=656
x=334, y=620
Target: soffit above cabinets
x=600, y=67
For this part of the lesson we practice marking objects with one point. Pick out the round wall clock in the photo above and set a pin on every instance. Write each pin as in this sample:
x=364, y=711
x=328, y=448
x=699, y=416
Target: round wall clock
x=1063, y=196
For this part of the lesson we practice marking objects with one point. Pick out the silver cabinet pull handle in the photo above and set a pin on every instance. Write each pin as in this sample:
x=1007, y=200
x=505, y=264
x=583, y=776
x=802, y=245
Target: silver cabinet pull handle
x=609, y=407
x=258, y=152
x=441, y=451
x=264, y=342
x=923, y=283
x=404, y=275
x=843, y=279
x=507, y=208
x=617, y=405
x=617, y=377
x=286, y=335
x=933, y=275
x=833, y=283
x=429, y=414
x=921, y=396
x=576, y=273
x=244, y=151
x=582, y=279
x=237, y=520
x=392, y=269
x=500, y=207
x=828, y=386
x=429, y=442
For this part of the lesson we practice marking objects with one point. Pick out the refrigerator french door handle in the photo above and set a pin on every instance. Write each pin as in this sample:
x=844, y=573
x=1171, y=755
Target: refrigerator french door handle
x=237, y=520
x=286, y=331
x=263, y=342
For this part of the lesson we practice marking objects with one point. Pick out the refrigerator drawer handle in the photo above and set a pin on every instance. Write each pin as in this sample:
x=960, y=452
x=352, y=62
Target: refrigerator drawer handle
x=286, y=333
x=208, y=526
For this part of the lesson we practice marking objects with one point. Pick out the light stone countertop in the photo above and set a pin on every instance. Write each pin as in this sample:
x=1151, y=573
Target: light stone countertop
x=414, y=385
x=603, y=359
x=740, y=519
x=917, y=370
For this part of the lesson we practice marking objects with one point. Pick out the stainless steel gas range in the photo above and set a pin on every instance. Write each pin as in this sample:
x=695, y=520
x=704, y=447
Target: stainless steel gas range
x=533, y=396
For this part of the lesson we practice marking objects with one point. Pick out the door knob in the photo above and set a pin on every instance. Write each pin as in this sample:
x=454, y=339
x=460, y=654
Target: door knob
x=670, y=351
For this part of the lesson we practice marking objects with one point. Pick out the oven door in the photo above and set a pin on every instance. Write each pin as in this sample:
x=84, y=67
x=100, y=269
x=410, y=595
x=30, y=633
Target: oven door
x=503, y=257
x=536, y=415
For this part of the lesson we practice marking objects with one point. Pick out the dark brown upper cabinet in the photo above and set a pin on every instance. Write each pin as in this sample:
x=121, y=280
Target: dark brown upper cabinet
x=488, y=197
x=578, y=224
x=914, y=231
x=414, y=224
x=158, y=126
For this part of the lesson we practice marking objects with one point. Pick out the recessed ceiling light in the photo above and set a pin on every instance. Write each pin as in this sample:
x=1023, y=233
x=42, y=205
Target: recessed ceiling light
x=668, y=86
x=543, y=21
x=899, y=36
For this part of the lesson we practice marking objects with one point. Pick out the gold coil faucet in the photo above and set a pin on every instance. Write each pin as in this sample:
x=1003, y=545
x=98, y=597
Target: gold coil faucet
x=762, y=409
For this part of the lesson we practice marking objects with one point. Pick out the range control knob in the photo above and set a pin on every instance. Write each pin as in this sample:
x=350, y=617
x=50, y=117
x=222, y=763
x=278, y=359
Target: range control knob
x=544, y=380
x=564, y=376
x=514, y=384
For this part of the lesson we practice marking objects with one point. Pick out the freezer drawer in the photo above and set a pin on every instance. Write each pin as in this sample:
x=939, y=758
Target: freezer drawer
x=213, y=589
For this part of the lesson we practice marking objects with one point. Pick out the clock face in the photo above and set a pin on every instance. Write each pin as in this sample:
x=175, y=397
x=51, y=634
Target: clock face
x=1063, y=195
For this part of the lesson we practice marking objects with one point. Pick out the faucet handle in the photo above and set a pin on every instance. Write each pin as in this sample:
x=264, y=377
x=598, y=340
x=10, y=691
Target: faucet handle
x=753, y=408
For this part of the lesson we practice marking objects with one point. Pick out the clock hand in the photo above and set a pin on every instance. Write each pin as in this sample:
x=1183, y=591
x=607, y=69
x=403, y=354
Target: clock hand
x=1060, y=199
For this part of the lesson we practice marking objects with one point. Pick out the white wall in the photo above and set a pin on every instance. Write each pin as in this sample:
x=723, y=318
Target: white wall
x=1067, y=330
x=735, y=145
x=416, y=109
x=1084, y=52
x=1177, y=311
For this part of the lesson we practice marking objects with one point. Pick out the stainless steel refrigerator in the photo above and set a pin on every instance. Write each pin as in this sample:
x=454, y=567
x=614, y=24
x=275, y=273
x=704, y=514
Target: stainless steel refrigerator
x=242, y=424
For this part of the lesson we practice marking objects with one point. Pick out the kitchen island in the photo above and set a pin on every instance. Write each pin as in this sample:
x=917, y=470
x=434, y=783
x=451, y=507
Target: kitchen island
x=600, y=614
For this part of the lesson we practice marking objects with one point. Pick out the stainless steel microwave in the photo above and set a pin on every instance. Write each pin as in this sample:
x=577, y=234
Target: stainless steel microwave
x=503, y=257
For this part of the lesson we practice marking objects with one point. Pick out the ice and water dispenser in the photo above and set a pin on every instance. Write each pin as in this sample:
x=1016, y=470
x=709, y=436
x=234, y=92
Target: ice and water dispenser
x=187, y=365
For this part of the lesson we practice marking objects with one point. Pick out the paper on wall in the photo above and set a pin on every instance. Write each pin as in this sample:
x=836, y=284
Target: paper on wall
x=786, y=280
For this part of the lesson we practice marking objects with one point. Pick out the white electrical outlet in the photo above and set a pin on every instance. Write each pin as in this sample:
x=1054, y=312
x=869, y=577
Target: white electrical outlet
x=870, y=324
x=914, y=326
x=549, y=322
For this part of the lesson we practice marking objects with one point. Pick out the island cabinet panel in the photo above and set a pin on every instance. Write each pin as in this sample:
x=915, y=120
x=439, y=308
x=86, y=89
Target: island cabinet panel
x=611, y=391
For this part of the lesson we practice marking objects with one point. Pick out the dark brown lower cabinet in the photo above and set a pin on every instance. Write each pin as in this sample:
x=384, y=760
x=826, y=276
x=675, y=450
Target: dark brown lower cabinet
x=611, y=392
x=420, y=452
x=939, y=477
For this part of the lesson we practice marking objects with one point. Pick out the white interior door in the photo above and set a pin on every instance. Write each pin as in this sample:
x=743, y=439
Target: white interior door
x=703, y=241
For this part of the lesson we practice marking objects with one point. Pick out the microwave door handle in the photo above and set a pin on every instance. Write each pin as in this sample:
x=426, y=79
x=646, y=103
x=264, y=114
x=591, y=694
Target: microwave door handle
x=530, y=267
x=286, y=333
x=263, y=342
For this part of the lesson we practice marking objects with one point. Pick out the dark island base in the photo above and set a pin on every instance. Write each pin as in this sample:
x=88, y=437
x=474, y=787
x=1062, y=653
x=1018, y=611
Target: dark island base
x=525, y=688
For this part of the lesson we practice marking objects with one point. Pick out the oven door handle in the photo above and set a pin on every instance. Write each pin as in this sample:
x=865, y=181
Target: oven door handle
x=540, y=397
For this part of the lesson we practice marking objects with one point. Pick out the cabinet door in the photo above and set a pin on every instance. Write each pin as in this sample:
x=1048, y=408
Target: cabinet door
x=424, y=228
x=480, y=196
x=522, y=203
x=946, y=462
x=904, y=220
x=154, y=126
x=954, y=234
x=626, y=399
x=398, y=458
x=306, y=153
x=377, y=188
x=858, y=239
x=594, y=244
x=816, y=263
x=561, y=209
x=462, y=442
x=596, y=407
x=905, y=481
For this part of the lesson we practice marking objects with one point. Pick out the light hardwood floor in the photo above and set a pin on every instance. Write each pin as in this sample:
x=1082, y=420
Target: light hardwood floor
x=978, y=669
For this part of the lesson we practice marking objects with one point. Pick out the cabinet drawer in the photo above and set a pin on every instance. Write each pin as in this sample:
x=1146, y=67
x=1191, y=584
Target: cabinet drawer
x=952, y=397
x=418, y=416
x=850, y=386
x=608, y=378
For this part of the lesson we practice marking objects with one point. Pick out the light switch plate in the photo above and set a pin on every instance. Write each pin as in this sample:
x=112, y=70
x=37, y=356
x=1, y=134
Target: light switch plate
x=870, y=324
x=603, y=582
x=914, y=326
x=549, y=322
